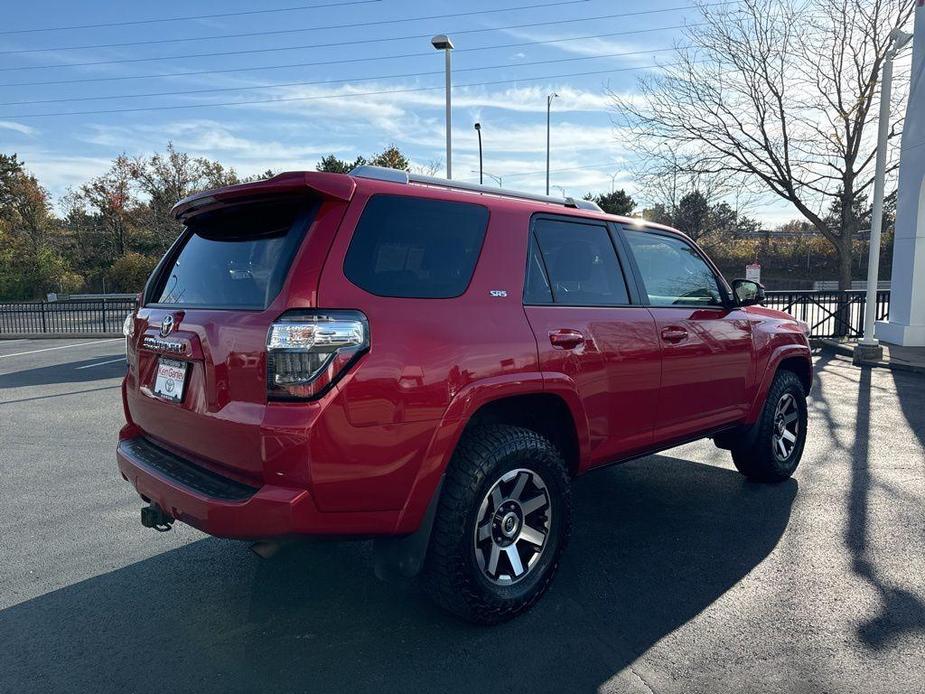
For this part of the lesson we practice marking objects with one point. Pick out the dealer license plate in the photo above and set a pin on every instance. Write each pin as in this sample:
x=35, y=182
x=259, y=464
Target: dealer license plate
x=170, y=379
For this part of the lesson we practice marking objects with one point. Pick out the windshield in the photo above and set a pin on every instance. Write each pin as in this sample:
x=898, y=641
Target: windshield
x=235, y=257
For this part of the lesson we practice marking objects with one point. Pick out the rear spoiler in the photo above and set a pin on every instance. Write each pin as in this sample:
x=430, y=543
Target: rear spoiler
x=331, y=185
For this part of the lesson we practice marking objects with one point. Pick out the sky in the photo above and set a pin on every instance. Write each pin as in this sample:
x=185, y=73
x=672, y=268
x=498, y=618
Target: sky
x=265, y=89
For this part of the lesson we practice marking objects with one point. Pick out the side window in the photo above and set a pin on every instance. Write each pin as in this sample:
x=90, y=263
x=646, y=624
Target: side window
x=415, y=247
x=536, y=288
x=580, y=262
x=673, y=272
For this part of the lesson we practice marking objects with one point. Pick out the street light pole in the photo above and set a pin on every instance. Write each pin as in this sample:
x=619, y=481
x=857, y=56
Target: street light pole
x=442, y=43
x=478, y=129
x=549, y=98
x=870, y=347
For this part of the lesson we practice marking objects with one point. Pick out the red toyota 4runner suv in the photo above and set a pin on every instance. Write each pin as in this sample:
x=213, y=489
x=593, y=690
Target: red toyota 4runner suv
x=429, y=363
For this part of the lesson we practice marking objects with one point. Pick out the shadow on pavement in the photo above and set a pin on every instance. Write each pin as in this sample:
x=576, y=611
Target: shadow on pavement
x=71, y=372
x=911, y=391
x=901, y=610
x=655, y=542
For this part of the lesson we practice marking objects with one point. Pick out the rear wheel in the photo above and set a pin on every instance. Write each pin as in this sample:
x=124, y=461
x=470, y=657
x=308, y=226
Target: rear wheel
x=503, y=520
x=772, y=450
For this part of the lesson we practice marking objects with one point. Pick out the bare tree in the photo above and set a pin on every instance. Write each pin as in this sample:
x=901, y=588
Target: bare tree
x=779, y=96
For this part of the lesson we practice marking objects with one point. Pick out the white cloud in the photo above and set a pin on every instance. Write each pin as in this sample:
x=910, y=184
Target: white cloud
x=17, y=127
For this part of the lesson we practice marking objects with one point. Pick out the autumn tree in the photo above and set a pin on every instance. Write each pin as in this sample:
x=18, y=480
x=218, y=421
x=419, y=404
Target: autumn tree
x=779, y=95
x=31, y=262
x=160, y=180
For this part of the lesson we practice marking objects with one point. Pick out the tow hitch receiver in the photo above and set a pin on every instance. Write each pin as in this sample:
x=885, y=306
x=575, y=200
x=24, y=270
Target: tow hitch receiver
x=154, y=517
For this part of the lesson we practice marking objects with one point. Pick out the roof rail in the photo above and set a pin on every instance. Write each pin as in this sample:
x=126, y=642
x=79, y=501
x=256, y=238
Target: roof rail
x=381, y=173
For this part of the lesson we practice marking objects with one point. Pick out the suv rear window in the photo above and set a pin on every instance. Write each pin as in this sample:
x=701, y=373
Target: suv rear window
x=235, y=257
x=415, y=247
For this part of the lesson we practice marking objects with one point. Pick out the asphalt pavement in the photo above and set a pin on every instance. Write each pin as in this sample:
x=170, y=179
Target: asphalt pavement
x=681, y=576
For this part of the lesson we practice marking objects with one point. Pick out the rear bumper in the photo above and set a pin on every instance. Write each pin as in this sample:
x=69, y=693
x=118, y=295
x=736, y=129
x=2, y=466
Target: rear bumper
x=225, y=508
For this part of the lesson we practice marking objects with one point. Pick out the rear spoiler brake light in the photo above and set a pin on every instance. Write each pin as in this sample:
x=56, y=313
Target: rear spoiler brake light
x=330, y=185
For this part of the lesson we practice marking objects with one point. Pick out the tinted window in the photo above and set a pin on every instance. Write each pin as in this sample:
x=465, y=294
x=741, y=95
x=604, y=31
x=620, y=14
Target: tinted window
x=235, y=257
x=536, y=288
x=415, y=247
x=581, y=264
x=673, y=272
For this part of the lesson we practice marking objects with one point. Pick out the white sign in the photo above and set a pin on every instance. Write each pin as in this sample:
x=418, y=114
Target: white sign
x=753, y=272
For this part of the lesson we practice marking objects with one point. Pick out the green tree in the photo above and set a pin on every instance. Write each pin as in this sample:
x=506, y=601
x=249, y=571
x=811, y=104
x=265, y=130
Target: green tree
x=692, y=215
x=331, y=164
x=617, y=202
x=31, y=263
x=392, y=158
x=130, y=272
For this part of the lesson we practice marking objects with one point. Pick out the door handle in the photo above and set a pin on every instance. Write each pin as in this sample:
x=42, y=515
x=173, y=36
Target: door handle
x=566, y=338
x=674, y=334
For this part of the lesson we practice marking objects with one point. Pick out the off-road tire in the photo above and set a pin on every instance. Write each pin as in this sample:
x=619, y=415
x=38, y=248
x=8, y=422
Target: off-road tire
x=452, y=575
x=754, y=454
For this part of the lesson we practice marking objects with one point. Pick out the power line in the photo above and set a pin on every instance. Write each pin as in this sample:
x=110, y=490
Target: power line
x=332, y=81
x=460, y=32
x=319, y=97
x=217, y=15
x=277, y=32
x=343, y=60
x=543, y=171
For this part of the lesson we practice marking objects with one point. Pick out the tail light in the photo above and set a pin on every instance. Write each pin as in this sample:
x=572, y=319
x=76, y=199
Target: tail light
x=308, y=351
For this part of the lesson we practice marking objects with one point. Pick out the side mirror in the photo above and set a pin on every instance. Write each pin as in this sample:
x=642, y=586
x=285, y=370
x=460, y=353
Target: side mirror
x=747, y=292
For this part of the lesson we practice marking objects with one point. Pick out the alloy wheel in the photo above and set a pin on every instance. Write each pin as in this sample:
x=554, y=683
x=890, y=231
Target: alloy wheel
x=786, y=427
x=512, y=527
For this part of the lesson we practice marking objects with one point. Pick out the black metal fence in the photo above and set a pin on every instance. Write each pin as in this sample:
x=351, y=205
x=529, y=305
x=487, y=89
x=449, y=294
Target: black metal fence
x=75, y=317
x=828, y=313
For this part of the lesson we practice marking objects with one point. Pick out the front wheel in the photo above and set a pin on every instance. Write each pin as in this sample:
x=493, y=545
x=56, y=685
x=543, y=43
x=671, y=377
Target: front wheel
x=503, y=520
x=772, y=450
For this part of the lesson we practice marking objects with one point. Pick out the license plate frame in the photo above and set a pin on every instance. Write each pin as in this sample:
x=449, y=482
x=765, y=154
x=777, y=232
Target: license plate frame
x=170, y=379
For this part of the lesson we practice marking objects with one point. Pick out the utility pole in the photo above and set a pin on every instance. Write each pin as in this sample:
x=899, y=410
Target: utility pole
x=549, y=98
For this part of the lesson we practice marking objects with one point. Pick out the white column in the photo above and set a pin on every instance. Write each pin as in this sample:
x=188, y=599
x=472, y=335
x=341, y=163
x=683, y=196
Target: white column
x=906, y=325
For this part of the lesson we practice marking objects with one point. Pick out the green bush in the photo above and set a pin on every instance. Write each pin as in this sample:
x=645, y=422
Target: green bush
x=130, y=272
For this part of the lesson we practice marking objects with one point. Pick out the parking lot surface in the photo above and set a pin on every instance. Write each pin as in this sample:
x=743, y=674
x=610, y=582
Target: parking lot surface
x=681, y=576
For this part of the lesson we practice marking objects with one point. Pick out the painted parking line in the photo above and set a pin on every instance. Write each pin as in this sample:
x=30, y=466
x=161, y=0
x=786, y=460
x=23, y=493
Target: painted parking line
x=50, y=349
x=100, y=363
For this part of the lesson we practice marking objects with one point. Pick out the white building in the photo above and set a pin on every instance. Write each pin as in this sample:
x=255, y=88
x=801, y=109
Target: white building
x=907, y=301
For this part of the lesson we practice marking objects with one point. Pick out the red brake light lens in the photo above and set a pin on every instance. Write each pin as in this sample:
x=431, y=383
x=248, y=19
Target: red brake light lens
x=308, y=351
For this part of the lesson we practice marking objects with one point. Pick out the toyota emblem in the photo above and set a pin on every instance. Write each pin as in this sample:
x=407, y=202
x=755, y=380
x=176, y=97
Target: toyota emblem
x=166, y=326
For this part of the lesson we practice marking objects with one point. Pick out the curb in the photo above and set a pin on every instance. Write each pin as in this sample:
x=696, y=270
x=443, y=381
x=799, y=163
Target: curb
x=847, y=350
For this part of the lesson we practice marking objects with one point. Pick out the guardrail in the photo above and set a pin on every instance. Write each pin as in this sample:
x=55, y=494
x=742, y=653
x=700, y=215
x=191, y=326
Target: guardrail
x=828, y=313
x=83, y=317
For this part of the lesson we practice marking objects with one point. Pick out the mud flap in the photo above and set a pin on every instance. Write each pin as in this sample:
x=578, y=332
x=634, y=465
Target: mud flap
x=403, y=556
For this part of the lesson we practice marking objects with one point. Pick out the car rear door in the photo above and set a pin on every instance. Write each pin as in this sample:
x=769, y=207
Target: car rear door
x=706, y=343
x=592, y=330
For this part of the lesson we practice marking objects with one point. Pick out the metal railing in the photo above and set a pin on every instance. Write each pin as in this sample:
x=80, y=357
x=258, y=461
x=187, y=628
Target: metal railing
x=78, y=317
x=830, y=313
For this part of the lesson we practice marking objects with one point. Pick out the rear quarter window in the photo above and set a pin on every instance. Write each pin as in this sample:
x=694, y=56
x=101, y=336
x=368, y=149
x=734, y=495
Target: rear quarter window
x=415, y=247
